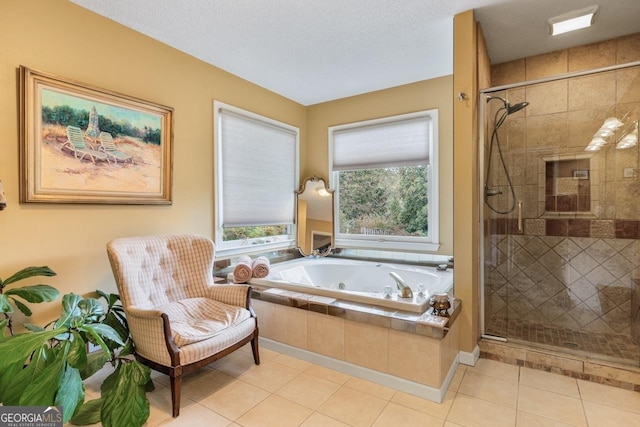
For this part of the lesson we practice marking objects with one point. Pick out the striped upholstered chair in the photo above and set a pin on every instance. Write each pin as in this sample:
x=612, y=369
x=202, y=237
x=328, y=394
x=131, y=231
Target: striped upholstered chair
x=179, y=319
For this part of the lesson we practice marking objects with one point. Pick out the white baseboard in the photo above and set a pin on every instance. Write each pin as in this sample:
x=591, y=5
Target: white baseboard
x=430, y=393
x=470, y=359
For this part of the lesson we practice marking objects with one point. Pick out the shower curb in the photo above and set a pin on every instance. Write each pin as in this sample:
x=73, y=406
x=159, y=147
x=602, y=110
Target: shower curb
x=580, y=367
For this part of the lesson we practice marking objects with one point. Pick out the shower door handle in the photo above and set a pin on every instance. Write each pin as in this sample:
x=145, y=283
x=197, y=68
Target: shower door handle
x=520, y=227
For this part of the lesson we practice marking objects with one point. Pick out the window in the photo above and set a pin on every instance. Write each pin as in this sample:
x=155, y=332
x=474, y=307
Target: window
x=385, y=177
x=256, y=174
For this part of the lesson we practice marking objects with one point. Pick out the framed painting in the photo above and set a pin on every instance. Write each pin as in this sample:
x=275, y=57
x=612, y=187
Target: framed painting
x=83, y=144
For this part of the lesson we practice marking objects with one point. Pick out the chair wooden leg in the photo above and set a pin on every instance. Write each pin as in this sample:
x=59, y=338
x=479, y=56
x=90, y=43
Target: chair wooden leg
x=176, y=383
x=254, y=348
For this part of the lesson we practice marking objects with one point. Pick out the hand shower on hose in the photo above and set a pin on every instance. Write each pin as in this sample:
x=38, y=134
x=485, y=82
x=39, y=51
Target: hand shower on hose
x=501, y=115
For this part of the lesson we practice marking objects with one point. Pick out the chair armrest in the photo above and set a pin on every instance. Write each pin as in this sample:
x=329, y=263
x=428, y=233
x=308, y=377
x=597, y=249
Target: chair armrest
x=238, y=295
x=152, y=336
x=141, y=312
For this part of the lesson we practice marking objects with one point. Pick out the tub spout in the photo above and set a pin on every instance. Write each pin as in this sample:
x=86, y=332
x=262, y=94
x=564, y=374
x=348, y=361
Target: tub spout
x=405, y=290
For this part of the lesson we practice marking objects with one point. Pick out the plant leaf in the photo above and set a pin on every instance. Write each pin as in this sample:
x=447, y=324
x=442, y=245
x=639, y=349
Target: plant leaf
x=95, y=362
x=103, y=294
x=70, y=394
x=16, y=385
x=104, y=331
x=112, y=320
x=35, y=293
x=77, y=352
x=33, y=328
x=5, y=307
x=89, y=413
x=126, y=402
x=29, y=272
x=70, y=310
x=23, y=308
x=18, y=348
x=37, y=384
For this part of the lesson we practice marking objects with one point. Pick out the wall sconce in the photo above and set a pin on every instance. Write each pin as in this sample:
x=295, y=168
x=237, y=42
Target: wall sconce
x=322, y=191
x=3, y=199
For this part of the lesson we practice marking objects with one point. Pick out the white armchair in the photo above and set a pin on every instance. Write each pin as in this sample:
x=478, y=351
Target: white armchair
x=179, y=319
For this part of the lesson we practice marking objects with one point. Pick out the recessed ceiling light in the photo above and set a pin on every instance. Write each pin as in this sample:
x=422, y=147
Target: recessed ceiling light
x=572, y=20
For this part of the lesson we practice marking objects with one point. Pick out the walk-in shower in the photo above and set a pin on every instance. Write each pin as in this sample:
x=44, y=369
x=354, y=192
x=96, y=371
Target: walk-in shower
x=561, y=213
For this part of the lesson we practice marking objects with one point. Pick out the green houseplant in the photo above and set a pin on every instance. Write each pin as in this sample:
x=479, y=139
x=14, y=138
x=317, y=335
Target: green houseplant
x=45, y=366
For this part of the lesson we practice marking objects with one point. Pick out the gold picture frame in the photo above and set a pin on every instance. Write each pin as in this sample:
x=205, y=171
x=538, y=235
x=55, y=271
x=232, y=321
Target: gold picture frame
x=83, y=144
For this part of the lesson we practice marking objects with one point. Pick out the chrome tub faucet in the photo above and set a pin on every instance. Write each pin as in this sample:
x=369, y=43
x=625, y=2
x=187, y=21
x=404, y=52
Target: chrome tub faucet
x=405, y=290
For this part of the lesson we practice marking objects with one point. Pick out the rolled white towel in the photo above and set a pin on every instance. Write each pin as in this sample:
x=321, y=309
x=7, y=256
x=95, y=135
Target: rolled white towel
x=260, y=267
x=242, y=271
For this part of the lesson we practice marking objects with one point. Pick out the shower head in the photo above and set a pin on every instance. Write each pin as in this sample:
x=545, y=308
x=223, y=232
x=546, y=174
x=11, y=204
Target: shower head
x=507, y=106
x=513, y=108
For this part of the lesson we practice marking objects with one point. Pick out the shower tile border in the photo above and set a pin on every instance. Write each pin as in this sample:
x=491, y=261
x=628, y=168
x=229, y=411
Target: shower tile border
x=566, y=227
x=584, y=368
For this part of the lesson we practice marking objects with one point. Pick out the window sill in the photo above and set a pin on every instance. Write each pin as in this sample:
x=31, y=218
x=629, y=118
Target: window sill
x=230, y=252
x=388, y=245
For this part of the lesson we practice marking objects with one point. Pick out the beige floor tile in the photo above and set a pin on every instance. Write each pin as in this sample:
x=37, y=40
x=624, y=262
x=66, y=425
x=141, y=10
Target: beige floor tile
x=470, y=411
x=265, y=353
x=160, y=378
x=610, y=396
x=395, y=415
x=160, y=406
x=525, y=419
x=450, y=424
x=202, y=383
x=555, y=406
x=489, y=388
x=308, y=390
x=549, y=381
x=328, y=374
x=319, y=420
x=270, y=376
x=197, y=415
x=440, y=410
x=457, y=377
x=495, y=369
x=292, y=362
x=605, y=416
x=371, y=388
x=235, y=399
x=235, y=364
x=275, y=411
x=353, y=407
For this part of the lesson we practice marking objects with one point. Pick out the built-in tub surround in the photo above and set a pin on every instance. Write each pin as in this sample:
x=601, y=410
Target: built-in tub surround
x=416, y=353
x=360, y=281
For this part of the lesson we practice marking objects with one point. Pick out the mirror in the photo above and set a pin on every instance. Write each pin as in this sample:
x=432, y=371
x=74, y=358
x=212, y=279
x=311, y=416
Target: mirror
x=314, y=217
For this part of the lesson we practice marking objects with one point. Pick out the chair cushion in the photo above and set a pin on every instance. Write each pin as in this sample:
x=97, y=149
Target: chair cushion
x=197, y=319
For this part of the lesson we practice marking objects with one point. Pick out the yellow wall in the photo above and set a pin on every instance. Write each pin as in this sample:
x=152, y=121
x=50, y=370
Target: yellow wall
x=58, y=37
x=424, y=95
x=466, y=212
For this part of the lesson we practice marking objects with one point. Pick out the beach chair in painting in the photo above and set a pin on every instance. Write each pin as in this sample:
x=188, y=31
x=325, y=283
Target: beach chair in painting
x=75, y=143
x=109, y=147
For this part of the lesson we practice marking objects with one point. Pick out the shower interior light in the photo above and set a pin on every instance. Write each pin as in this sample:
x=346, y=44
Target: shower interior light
x=573, y=20
x=630, y=138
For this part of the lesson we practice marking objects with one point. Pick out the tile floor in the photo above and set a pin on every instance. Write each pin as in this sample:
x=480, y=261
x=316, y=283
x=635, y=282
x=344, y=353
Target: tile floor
x=284, y=391
x=616, y=346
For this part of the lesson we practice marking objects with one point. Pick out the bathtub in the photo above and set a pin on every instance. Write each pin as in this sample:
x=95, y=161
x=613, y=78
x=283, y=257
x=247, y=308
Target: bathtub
x=358, y=281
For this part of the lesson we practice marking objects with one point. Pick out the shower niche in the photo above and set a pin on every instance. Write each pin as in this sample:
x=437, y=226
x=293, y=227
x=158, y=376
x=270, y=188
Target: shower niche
x=568, y=185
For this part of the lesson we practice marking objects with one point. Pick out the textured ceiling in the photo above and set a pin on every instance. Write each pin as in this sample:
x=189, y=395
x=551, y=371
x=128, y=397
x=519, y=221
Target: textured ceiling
x=313, y=51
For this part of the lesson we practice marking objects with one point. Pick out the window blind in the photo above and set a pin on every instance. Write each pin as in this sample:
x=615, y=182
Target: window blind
x=258, y=161
x=397, y=143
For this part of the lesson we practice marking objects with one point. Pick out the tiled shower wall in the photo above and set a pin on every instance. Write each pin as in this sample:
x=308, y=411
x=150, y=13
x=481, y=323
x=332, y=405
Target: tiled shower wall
x=577, y=269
